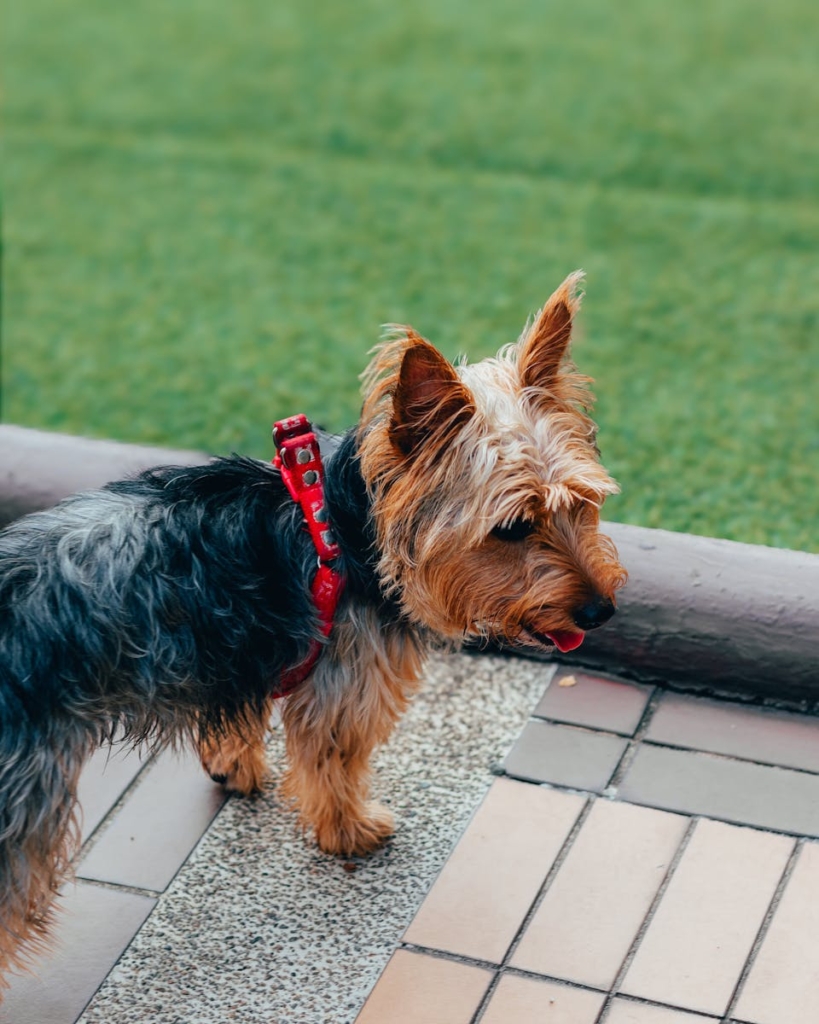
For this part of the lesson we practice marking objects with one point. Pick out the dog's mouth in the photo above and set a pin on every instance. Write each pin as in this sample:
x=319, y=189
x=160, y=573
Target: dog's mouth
x=563, y=639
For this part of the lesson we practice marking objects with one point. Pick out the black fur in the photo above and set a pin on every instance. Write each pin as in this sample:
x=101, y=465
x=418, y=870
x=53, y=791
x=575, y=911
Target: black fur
x=168, y=603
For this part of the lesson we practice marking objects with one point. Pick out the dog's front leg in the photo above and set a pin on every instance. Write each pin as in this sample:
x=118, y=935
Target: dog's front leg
x=334, y=721
x=235, y=755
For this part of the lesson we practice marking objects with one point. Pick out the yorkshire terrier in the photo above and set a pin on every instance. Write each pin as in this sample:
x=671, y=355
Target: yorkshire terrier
x=182, y=603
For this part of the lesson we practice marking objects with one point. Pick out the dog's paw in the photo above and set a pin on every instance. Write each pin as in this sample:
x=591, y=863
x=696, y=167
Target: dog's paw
x=239, y=771
x=357, y=835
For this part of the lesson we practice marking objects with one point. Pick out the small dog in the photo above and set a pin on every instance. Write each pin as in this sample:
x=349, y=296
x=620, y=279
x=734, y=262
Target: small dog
x=465, y=504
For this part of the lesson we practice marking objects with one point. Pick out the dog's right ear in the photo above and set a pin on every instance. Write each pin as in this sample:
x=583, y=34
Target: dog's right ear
x=429, y=401
x=545, y=344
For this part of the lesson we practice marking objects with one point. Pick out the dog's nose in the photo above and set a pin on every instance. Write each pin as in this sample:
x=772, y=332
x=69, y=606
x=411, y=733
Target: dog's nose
x=594, y=613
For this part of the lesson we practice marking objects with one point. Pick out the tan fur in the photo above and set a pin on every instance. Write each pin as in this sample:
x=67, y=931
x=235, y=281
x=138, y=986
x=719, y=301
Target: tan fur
x=333, y=723
x=236, y=758
x=447, y=454
x=525, y=447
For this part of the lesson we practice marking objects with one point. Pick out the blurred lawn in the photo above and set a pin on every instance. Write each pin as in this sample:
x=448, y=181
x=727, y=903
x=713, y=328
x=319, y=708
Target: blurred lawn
x=211, y=208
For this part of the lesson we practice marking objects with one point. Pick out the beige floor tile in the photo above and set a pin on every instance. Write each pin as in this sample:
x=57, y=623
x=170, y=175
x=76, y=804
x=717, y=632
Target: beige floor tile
x=419, y=989
x=599, y=898
x=488, y=884
x=623, y=1011
x=702, y=932
x=529, y=1001
x=784, y=982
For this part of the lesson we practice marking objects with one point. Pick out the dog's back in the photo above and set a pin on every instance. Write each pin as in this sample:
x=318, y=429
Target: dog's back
x=159, y=605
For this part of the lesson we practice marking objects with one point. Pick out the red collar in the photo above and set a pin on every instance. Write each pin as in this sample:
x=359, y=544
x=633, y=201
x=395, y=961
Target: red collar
x=299, y=461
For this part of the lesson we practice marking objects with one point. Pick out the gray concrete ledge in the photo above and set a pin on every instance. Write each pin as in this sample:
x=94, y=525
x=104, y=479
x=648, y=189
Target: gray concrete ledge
x=712, y=615
x=37, y=468
x=697, y=613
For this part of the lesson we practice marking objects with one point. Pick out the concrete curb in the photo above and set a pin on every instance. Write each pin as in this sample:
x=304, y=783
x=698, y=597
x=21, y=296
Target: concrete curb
x=712, y=615
x=697, y=613
x=37, y=468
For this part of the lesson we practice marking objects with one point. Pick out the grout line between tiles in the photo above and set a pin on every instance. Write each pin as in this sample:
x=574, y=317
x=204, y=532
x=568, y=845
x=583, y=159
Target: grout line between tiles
x=487, y=996
x=664, y=745
x=558, y=862
x=583, y=726
x=607, y=794
x=634, y=741
x=135, y=890
x=521, y=972
x=578, y=727
x=639, y=734
x=498, y=969
x=445, y=954
x=627, y=757
x=652, y=910
x=763, y=930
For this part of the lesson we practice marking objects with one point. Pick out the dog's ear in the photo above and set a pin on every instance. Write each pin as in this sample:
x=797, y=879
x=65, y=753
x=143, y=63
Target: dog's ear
x=543, y=346
x=429, y=401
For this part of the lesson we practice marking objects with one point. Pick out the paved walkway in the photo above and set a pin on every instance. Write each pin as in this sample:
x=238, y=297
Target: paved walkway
x=572, y=850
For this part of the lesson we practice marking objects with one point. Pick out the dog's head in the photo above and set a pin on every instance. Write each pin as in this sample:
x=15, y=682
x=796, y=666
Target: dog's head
x=487, y=486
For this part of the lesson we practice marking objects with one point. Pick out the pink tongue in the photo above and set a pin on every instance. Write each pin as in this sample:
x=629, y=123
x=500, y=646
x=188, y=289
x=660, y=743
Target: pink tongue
x=566, y=641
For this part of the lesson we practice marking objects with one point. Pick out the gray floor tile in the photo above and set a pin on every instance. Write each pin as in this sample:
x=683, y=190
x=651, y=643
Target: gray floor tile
x=109, y=772
x=759, y=734
x=93, y=929
x=564, y=756
x=594, y=702
x=682, y=780
x=157, y=827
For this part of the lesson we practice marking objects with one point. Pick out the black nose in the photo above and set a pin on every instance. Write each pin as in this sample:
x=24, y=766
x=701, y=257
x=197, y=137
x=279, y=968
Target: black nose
x=594, y=613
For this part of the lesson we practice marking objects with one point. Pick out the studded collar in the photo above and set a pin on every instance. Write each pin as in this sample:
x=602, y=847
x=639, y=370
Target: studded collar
x=298, y=459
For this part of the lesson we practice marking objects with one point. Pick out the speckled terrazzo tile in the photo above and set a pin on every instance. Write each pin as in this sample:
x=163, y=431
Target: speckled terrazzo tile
x=259, y=926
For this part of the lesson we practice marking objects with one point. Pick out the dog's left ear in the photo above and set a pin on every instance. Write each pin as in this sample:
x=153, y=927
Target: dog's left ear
x=544, y=344
x=429, y=401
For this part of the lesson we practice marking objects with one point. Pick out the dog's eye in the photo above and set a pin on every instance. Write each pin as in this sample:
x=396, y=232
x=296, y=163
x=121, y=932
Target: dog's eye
x=518, y=529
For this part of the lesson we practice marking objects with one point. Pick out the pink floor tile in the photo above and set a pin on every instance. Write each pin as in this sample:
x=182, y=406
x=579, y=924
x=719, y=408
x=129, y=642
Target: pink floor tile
x=529, y=1001
x=783, y=985
x=593, y=910
x=420, y=989
x=485, y=889
x=624, y=1011
x=702, y=932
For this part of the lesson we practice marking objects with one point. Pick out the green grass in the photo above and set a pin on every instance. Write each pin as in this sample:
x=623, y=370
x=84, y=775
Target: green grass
x=211, y=208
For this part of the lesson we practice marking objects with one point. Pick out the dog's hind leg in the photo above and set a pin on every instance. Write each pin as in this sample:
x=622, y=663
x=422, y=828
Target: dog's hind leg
x=334, y=721
x=235, y=755
x=39, y=835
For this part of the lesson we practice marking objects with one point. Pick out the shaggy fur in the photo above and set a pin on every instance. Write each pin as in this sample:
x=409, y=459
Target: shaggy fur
x=465, y=505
